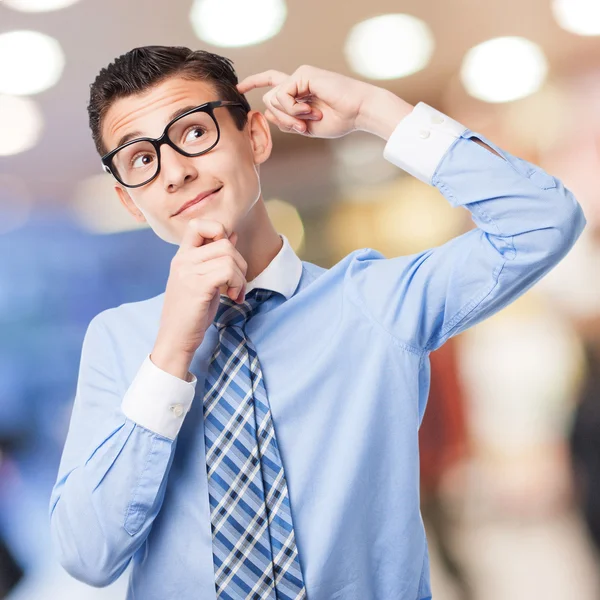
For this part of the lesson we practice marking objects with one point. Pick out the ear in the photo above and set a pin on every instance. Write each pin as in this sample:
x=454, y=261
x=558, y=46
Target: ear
x=129, y=204
x=260, y=136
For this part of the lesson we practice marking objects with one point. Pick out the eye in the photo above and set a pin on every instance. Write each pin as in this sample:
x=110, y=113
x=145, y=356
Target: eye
x=146, y=159
x=194, y=133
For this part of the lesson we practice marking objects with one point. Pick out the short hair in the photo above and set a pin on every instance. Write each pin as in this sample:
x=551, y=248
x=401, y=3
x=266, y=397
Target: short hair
x=142, y=68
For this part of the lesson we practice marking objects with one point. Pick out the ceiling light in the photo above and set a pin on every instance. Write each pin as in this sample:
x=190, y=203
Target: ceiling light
x=21, y=124
x=578, y=16
x=237, y=22
x=503, y=69
x=389, y=46
x=38, y=5
x=30, y=62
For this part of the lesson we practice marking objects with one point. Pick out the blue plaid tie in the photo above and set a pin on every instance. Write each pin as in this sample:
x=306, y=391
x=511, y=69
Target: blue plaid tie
x=254, y=548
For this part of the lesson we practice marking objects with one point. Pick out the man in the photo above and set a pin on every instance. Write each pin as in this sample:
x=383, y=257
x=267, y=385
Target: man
x=252, y=432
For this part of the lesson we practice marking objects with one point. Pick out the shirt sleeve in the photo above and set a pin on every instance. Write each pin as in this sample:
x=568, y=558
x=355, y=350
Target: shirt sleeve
x=158, y=400
x=113, y=470
x=526, y=221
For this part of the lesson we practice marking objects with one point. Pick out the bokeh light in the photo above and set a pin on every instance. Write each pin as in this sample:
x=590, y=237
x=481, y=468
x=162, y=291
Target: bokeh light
x=21, y=124
x=389, y=46
x=237, y=23
x=97, y=209
x=287, y=220
x=578, y=16
x=504, y=69
x=39, y=5
x=30, y=62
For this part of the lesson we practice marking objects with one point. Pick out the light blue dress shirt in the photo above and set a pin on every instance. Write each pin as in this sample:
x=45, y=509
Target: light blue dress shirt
x=345, y=356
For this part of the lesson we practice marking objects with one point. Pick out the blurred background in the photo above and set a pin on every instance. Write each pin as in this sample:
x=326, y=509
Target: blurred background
x=510, y=443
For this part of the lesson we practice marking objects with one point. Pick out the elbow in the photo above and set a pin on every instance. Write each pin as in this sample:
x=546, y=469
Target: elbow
x=88, y=562
x=569, y=225
x=93, y=575
x=97, y=574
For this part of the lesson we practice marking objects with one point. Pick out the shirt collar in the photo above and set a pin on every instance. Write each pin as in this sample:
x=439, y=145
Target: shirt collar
x=282, y=274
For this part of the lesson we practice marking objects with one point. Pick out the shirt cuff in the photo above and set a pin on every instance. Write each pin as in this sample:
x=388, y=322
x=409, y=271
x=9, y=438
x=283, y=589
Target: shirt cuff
x=158, y=400
x=420, y=140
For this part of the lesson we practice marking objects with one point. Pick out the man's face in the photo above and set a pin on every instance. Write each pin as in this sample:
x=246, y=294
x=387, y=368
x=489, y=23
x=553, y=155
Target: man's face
x=231, y=165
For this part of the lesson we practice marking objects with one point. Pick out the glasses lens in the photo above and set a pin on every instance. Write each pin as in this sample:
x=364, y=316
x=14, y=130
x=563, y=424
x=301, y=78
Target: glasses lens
x=135, y=164
x=194, y=133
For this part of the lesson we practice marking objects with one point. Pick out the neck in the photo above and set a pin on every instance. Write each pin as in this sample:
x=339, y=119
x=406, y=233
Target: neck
x=258, y=240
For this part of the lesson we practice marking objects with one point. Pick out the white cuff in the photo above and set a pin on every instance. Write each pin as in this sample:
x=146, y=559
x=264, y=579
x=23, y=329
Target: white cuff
x=158, y=400
x=420, y=140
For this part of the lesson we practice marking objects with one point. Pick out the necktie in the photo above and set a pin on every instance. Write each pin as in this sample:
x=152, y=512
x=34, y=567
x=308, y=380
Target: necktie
x=254, y=548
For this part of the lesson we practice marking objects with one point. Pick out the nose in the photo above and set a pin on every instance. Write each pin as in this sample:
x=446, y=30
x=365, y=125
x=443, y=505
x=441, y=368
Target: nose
x=176, y=169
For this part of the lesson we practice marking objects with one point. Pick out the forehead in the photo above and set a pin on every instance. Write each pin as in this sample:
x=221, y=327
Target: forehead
x=147, y=114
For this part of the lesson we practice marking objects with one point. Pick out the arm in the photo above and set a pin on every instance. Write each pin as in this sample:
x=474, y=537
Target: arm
x=526, y=222
x=115, y=462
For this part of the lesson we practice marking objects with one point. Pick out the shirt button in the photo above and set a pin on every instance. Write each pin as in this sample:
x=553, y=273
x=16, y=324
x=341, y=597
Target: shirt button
x=424, y=133
x=437, y=119
x=177, y=409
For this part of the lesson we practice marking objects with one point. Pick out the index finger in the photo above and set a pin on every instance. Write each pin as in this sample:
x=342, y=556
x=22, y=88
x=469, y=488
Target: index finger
x=199, y=231
x=264, y=79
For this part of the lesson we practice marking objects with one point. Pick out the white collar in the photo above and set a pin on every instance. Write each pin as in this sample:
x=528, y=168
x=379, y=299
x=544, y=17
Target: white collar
x=282, y=274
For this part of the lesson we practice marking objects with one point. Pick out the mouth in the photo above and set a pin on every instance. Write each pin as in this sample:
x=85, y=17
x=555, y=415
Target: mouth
x=199, y=198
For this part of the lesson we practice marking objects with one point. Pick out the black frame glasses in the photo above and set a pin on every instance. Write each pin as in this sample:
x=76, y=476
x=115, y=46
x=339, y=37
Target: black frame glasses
x=207, y=107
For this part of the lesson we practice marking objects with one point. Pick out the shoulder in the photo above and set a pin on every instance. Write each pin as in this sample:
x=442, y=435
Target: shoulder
x=343, y=264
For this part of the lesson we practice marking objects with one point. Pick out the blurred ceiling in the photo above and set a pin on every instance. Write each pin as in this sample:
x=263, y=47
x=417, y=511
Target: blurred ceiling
x=92, y=34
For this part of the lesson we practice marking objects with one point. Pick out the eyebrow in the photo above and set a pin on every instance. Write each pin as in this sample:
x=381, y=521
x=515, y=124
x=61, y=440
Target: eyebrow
x=134, y=134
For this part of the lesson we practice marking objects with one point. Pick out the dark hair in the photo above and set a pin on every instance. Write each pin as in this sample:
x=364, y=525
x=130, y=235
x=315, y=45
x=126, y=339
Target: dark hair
x=142, y=68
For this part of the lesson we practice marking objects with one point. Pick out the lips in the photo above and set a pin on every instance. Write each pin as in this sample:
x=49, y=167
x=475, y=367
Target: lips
x=197, y=199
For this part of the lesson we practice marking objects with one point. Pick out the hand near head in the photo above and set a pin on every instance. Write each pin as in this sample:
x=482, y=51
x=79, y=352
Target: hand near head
x=321, y=103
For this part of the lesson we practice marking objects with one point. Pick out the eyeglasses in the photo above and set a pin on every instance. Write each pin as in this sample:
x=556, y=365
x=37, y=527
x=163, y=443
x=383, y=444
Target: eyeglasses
x=193, y=133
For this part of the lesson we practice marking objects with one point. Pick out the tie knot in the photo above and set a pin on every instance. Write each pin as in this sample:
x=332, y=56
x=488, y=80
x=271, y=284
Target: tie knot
x=231, y=314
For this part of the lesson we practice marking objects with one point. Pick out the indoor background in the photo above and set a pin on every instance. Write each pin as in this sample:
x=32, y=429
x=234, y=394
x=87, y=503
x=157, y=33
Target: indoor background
x=510, y=443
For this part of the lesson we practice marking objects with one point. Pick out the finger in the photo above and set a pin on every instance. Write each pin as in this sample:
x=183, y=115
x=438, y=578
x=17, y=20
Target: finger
x=271, y=100
x=287, y=102
x=294, y=108
x=242, y=295
x=314, y=115
x=201, y=231
x=265, y=79
x=287, y=123
x=271, y=117
x=222, y=271
x=218, y=249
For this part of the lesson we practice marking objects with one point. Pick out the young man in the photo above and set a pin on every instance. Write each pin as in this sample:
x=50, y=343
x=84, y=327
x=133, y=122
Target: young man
x=252, y=432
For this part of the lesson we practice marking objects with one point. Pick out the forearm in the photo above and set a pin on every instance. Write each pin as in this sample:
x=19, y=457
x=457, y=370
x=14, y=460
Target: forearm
x=102, y=511
x=171, y=362
x=115, y=461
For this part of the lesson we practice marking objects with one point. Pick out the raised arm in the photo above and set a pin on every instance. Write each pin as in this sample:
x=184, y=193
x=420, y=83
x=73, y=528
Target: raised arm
x=526, y=222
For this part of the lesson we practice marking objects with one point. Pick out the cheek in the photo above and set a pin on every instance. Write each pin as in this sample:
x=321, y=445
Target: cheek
x=243, y=180
x=235, y=166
